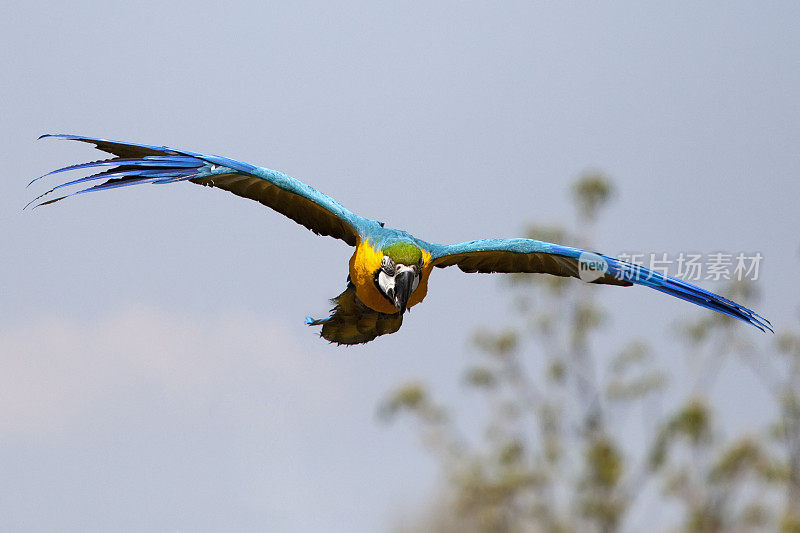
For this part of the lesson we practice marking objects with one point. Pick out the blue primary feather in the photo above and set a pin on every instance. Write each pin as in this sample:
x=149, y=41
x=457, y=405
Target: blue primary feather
x=109, y=146
x=150, y=161
x=113, y=146
x=136, y=177
x=126, y=173
x=110, y=184
x=685, y=291
x=153, y=165
x=494, y=255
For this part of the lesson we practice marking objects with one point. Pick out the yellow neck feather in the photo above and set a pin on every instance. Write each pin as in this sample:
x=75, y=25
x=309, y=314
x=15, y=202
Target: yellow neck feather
x=365, y=262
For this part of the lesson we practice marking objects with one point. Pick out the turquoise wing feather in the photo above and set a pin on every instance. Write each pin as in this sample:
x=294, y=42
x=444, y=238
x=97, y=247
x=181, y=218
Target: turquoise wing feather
x=527, y=255
x=136, y=164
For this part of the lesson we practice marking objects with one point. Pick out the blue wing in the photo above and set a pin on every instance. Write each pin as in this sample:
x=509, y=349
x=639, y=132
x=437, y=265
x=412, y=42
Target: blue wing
x=527, y=255
x=136, y=164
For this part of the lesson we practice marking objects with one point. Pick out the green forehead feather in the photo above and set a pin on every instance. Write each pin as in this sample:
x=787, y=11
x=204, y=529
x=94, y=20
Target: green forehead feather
x=405, y=253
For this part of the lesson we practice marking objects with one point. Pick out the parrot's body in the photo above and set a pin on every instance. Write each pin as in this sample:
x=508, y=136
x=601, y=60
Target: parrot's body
x=389, y=269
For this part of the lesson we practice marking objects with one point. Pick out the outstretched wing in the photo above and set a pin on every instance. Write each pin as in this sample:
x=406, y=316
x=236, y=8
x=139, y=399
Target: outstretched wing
x=527, y=255
x=136, y=164
x=352, y=322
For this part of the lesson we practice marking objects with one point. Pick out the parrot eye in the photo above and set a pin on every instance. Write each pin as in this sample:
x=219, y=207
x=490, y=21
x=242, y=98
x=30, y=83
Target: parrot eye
x=387, y=265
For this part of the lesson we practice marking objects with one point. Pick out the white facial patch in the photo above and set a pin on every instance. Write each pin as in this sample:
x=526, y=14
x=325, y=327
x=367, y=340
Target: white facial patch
x=386, y=282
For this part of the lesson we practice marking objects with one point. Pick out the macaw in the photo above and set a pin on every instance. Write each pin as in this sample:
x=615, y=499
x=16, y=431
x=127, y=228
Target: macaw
x=390, y=268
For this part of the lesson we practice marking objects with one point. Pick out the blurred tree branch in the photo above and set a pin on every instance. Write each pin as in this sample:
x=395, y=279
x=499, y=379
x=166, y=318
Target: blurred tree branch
x=556, y=452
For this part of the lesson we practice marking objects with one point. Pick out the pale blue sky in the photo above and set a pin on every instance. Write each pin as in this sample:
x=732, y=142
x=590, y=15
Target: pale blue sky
x=155, y=370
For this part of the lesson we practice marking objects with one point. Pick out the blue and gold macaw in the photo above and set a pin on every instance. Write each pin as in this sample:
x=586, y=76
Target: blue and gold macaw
x=390, y=269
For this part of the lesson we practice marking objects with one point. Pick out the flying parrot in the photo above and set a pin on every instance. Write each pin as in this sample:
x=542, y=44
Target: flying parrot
x=390, y=268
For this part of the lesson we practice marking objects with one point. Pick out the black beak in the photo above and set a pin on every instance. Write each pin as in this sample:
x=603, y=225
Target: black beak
x=402, y=289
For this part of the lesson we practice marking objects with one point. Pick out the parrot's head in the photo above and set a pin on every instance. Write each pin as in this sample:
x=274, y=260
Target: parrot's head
x=400, y=273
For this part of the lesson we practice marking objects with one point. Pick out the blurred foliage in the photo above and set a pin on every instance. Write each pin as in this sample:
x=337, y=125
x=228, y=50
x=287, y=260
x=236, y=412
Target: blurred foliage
x=591, y=193
x=557, y=451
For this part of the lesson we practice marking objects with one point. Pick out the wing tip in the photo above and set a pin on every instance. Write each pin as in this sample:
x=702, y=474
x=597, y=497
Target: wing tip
x=59, y=136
